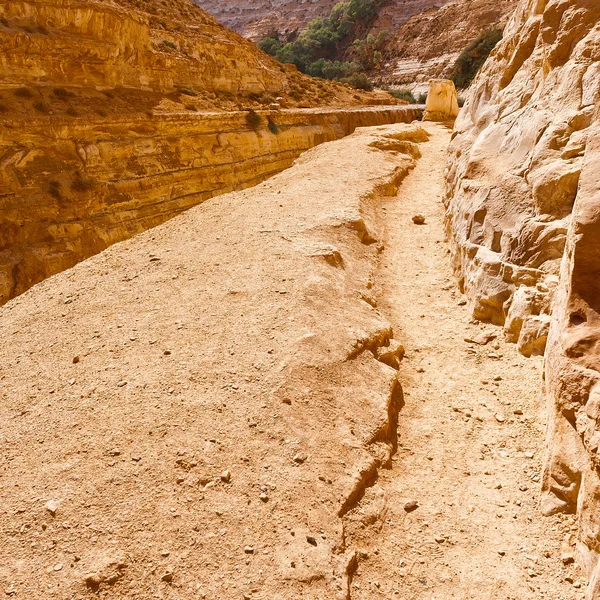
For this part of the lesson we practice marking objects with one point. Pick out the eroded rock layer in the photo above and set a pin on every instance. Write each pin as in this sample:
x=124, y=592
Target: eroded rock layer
x=428, y=44
x=115, y=116
x=524, y=218
x=199, y=420
x=109, y=44
x=72, y=187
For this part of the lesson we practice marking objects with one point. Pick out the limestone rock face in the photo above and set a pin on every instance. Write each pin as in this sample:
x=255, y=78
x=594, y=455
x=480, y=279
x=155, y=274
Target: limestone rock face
x=442, y=101
x=429, y=42
x=524, y=219
x=426, y=35
x=255, y=19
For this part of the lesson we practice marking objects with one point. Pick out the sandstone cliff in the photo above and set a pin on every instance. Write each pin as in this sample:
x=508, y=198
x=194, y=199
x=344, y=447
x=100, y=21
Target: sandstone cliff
x=428, y=44
x=426, y=35
x=178, y=47
x=255, y=19
x=74, y=186
x=524, y=217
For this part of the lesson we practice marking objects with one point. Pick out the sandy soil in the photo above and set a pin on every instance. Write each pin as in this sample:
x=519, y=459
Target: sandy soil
x=187, y=414
x=205, y=411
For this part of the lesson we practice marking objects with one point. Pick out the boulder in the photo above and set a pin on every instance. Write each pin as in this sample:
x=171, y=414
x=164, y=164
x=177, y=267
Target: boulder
x=442, y=101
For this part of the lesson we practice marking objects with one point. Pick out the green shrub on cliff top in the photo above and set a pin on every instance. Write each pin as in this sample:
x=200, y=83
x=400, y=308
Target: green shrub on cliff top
x=317, y=50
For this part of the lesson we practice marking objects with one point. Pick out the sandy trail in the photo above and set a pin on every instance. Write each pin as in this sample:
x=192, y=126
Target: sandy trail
x=471, y=435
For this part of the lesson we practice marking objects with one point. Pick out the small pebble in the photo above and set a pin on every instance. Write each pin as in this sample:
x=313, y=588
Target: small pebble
x=300, y=457
x=52, y=506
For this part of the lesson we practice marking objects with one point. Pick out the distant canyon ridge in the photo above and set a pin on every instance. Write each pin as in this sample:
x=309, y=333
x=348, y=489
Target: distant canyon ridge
x=426, y=35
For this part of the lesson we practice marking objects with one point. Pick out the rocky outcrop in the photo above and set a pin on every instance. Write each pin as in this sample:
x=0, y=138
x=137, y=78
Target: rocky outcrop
x=428, y=44
x=112, y=121
x=78, y=42
x=442, y=101
x=255, y=19
x=196, y=411
x=426, y=36
x=523, y=216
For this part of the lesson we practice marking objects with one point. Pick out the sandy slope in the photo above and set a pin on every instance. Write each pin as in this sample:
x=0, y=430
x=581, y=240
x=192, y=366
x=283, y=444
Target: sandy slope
x=188, y=414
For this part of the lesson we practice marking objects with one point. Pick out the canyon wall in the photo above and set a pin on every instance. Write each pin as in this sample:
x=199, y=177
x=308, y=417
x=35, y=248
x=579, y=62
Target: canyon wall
x=94, y=43
x=255, y=19
x=426, y=36
x=427, y=45
x=524, y=220
x=115, y=116
x=72, y=187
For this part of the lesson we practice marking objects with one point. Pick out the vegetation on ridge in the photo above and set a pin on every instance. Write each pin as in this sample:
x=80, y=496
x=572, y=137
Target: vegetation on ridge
x=320, y=49
x=471, y=59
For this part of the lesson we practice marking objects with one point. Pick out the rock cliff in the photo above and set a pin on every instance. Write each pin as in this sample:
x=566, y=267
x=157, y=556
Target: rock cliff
x=72, y=187
x=426, y=35
x=524, y=218
x=94, y=44
x=255, y=19
x=428, y=44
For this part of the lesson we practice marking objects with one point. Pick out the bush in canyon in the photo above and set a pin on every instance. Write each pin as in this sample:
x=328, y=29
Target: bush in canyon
x=359, y=81
x=253, y=119
x=403, y=94
x=369, y=50
x=318, y=49
x=471, y=59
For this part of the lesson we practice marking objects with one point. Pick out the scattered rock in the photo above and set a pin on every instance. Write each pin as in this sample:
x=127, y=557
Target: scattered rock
x=248, y=549
x=418, y=220
x=482, y=339
x=167, y=577
x=500, y=418
x=226, y=476
x=300, y=457
x=311, y=540
x=411, y=505
x=52, y=506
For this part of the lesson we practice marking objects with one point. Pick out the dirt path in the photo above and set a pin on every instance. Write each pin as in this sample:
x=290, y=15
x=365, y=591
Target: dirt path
x=471, y=435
